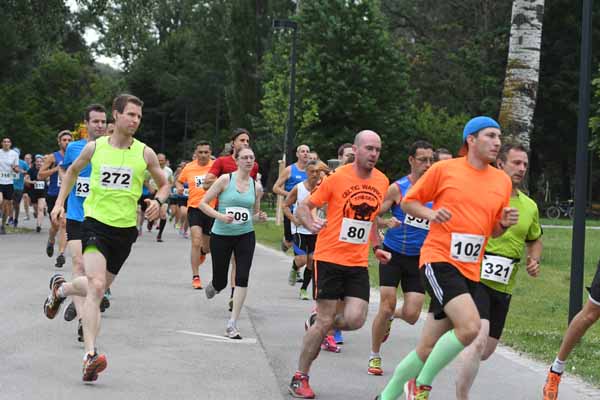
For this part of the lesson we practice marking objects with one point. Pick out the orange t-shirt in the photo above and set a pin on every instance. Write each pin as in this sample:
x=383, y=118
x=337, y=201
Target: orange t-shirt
x=475, y=198
x=194, y=175
x=352, y=205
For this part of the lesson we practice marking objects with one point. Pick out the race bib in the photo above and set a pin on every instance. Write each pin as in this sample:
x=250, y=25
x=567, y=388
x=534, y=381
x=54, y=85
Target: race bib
x=186, y=192
x=355, y=231
x=240, y=215
x=7, y=175
x=82, y=187
x=58, y=180
x=497, y=268
x=39, y=185
x=415, y=222
x=465, y=247
x=118, y=178
x=199, y=180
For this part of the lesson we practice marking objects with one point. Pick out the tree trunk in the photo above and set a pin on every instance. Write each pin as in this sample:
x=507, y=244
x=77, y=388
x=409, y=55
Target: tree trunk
x=522, y=70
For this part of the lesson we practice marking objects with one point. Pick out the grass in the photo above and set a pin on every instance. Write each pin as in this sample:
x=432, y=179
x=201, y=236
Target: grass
x=539, y=309
x=10, y=229
x=568, y=222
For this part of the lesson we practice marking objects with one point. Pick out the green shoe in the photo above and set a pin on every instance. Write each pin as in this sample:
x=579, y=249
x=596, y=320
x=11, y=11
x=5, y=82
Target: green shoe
x=304, y=295
x=292, y=277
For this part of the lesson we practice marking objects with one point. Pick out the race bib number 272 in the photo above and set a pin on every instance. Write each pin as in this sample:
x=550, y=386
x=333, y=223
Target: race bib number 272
x=118, y=178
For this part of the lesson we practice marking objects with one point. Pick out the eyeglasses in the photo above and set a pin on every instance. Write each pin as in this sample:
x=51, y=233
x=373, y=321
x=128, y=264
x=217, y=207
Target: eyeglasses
x=425, y=159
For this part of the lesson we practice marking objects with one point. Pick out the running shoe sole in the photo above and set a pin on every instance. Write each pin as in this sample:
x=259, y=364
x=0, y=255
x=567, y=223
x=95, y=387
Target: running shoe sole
x=70, y=312
x=53, y=302
x=91, y=371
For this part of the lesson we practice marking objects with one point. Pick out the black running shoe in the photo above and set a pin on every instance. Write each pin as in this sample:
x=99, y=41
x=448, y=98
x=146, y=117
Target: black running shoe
x=104, y=304
x=38, y=229
x=70, y=312
x=49, y=248
x=60, y=261
x=53, y=301
x=79, y=332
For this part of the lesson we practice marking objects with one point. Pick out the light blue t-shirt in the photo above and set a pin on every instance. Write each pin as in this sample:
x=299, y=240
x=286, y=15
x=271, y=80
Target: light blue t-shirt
x=239, y=205
x=19, y=181
x=75, y=201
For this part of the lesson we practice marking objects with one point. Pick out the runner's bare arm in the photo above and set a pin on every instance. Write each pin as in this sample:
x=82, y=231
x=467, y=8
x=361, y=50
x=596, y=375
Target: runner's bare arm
x=70, y=177
x=208, y=181
x=278, y=186
x=392, y=196
x=162, y=194
x=534, y=254
x=312, y=223
x=416, y=209
x=46, y=170
x=215, y=190
x=383, y=256
x=179, y=187
x=288, y=203
x=259, y=216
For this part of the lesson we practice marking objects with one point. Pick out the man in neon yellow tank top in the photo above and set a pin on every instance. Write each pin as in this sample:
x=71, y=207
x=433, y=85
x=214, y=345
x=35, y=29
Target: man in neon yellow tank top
x=109, y=229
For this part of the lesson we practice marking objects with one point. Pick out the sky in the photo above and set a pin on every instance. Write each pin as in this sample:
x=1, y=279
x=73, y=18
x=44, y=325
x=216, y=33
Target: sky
x=91, y=36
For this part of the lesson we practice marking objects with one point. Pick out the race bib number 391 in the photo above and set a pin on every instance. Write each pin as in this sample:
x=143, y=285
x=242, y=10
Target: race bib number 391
x=118, y=178
x=497, y=268
x=240, y=215
x=354, y=231
x=465, y=247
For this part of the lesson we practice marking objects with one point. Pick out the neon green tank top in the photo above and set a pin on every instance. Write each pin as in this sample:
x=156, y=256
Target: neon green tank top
x=115, y=183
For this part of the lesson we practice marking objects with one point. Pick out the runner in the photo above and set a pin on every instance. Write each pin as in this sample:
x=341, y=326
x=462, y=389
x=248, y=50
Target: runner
x=442, y=154
x=51, y=169
x=290, y=177
x=403, y=240
x=9, y=166
x=345, y=153
x=27, y=188
x=233, y=231
x=304, y=240
x=38, y=191
x=313, y=156
x=471, y=203
x=499, y=268
x=19, y=187
x=200, y=223
x=162, y=160
x=353, y=194
x=224, y=165
x=109, y=230
x=95, y=122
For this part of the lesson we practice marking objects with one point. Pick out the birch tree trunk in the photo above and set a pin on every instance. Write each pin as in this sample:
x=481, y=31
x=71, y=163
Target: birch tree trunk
x=522, y=70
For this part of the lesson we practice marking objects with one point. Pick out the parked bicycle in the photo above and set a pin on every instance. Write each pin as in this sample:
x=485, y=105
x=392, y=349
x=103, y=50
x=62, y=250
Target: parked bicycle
x=561, y=209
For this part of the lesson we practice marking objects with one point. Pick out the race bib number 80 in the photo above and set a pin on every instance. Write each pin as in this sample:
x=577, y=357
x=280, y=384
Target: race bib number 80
x=118, y=178
x=465, y=247
x=354, y=231
x=240, y=215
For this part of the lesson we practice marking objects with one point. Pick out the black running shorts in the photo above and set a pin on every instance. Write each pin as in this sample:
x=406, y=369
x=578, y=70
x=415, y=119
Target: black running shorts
x=113, y=243
x=401, y=269
x=74, y=231
x=7, y=192
x=197, y=218
x=335, y=282
x=594, y=290
x=493, y=306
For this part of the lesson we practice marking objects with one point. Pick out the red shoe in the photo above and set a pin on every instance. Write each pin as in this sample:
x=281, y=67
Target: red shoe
x=196, y=283
x=300, y=388
x=93, y=365
x=329, y=344
x=414, y=392
x=551, y=386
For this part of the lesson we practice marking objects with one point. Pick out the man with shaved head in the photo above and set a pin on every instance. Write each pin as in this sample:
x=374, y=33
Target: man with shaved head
x=353, y=195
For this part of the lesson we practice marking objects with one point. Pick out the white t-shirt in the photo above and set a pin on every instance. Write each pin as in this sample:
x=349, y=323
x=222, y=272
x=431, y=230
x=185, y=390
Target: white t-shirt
x=168, y=174
x=8, y=159
x=303, y=193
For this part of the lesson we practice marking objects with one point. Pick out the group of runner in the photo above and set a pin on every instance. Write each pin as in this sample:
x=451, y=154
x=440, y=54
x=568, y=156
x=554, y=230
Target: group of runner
x=457, y=231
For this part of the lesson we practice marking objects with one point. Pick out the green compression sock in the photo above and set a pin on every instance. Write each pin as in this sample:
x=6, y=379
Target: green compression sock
x=407, y=369
x=444, y=351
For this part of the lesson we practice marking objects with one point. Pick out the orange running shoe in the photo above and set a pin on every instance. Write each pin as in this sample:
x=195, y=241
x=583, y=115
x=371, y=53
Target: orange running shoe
x=551, y=386
x=196, y=283
x=93, y=365
x=329, y=344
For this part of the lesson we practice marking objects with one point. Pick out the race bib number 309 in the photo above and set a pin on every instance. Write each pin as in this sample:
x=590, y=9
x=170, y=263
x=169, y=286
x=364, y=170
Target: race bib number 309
x=118, y=178
x=240, y=215
x=465, y=247
x=354, y=231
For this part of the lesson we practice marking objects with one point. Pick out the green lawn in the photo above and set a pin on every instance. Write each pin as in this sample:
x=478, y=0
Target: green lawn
x=568, y=222
x=539, y=308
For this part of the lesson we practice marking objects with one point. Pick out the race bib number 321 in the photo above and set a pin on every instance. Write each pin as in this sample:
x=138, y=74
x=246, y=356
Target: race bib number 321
x=118, y=178
x=354, y=231
x=465, y=247
x=497, y=268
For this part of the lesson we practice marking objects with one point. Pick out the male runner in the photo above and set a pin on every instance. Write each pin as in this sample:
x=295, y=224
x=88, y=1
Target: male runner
x=19, y=188
x=51, y=169
x=404, y=240
x=353, y=194
x=28, y=158
x=499, y=268
x=290, y=177
x=442, y=154
x=9, y=167
x=471, y=203
x=345, y=153
x=109, y=229
x=194, y=174
x=95, y=122
x=162, y=160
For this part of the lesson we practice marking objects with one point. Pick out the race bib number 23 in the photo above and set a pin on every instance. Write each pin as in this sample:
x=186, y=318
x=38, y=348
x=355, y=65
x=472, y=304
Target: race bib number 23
x=354, y=231
x=118, y=178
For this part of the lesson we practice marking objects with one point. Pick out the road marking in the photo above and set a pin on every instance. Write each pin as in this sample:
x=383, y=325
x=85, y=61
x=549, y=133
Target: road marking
x=217, y=338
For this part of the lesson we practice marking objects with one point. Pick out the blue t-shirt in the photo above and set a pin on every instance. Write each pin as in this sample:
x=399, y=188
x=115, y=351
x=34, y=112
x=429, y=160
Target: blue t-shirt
x=408, y=238
x=296, y=176
x=75, y=202
x=54, y=185
x=19, y=181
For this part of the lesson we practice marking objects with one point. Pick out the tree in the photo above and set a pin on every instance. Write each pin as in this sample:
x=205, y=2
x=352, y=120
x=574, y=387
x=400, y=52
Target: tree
x=522, y=70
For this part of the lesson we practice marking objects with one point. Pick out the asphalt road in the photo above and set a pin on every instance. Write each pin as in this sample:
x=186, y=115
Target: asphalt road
x=164, y=340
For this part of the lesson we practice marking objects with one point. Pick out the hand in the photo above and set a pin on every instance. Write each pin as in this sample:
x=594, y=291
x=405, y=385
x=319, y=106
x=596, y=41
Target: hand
x=57, y=213
x=226, y=218
x=317, y=225
x=153, y=210
x=533, y=266
x=440, y=215
x=261, y=216
x=383, y=256
x=510, y=216
x=392, y=223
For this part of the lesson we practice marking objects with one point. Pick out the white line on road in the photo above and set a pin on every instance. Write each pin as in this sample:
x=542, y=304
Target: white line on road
x=216, y=338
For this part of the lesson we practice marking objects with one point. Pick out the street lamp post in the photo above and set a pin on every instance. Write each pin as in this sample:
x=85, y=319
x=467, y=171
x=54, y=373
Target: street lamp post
x=288, y=139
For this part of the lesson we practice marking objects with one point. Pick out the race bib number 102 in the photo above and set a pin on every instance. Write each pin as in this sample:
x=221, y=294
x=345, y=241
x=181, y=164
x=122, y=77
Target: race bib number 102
x=465, y=247
x=354, y=231
x=118, y=178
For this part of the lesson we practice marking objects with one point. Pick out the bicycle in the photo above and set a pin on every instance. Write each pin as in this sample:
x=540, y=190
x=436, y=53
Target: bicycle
x=563, y=208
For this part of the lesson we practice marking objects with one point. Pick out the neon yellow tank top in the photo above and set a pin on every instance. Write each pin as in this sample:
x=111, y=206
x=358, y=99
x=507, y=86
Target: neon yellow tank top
x=115, y=183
